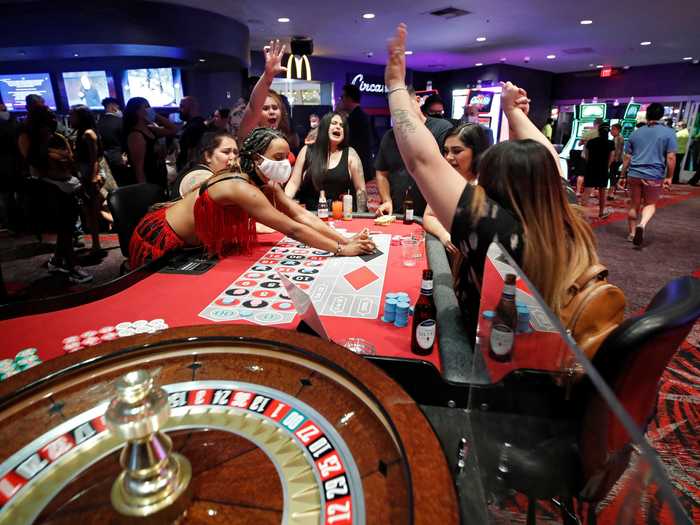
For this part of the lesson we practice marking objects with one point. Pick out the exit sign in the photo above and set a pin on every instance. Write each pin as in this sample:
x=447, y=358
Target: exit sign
x=606, y=72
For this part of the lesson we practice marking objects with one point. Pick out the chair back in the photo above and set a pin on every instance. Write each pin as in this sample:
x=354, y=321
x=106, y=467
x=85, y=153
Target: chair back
x=128, y=205
x=632, y=360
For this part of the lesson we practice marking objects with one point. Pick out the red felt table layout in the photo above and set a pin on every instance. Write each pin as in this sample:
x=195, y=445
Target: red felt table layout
x=178, y=299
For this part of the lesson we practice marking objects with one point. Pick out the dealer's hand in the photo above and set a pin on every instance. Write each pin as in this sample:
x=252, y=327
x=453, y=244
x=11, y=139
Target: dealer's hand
x=385, y=208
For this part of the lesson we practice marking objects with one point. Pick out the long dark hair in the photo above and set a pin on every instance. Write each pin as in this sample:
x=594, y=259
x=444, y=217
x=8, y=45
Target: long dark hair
x=256, y=143
x=317, y=154
x=472, y=136
x=207, y=145
x=85, y=121
x=41, y=125
x=522, y=177
x=131, y=118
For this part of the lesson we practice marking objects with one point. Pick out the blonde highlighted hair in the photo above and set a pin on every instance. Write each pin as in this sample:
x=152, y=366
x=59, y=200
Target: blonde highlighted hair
x=559, y=245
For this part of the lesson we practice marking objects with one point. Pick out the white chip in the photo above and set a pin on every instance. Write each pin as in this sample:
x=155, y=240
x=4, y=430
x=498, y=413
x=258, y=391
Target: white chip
x=110, y=336
x=88, y=334
x=126, y=332
x=106, y=329
x=140, y=323
x=92, y=341
x=71, y=339
x=122, y=326
x=153, y=322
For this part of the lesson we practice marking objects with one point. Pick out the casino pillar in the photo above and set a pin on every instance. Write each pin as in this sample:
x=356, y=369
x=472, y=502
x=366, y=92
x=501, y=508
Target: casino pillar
x=153, y=486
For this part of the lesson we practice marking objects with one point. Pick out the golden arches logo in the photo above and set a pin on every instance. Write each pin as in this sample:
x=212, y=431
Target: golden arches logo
x=298, y=67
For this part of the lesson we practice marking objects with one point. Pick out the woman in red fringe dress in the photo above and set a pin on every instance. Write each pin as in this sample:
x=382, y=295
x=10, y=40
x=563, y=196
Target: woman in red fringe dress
x=221, y=214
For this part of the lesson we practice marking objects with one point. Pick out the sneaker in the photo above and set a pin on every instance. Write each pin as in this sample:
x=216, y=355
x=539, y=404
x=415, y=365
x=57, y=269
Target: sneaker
x=55, y=266
x=638, y=236
x=630, y=237
x=79, y=276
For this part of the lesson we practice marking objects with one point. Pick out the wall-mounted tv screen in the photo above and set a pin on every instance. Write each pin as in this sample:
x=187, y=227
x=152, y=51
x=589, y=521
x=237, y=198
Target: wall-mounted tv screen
x=14, y=88
x=162, y=87
x=88, y=88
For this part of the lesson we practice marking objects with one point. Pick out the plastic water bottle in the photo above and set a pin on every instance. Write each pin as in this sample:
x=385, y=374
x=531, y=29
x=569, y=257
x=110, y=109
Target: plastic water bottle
x=322, y=209
x=347, y=206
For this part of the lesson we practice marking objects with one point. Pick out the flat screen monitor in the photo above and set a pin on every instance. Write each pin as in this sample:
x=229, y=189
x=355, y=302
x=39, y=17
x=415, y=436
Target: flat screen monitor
x=593, y=111
x=88, y=88
x=162, y=87
x=481, y=99
x=14, y=89
x=631, y=111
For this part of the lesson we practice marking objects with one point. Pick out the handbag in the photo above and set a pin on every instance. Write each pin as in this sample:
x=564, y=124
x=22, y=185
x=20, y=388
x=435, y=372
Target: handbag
x=595, y=308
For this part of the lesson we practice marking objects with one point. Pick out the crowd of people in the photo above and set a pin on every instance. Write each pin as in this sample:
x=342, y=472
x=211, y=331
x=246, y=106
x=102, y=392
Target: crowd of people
x=245, y=170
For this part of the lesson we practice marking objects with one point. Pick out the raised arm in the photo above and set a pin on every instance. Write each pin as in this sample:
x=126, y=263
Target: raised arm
x=273, y=66
x=164, y=128
x=294, y=183
x=418, y=148
x=358, y=180
x=521, y=126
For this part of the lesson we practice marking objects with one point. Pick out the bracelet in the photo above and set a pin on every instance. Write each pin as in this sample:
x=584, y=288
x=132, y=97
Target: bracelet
x=339, y=249
x=393, y=90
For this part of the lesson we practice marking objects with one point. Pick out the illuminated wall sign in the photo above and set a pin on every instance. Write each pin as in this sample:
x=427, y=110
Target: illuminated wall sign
x=298, y=67
x=606, y=72
x=368, y=84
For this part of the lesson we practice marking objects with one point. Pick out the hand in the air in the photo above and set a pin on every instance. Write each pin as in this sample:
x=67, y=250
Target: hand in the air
x=395, y=72
x=385, y=208
x=514, y=97
x=273, y=58
x=358, y=247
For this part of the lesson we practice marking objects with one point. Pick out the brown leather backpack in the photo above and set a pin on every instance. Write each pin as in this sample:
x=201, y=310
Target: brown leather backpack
x=595, y=308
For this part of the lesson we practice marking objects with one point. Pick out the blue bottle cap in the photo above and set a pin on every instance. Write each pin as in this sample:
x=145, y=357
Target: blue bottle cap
x=390, y=295
x=489, y=314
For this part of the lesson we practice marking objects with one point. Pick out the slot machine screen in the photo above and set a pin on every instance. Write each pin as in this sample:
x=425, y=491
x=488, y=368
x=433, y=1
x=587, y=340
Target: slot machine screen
x=14, y=89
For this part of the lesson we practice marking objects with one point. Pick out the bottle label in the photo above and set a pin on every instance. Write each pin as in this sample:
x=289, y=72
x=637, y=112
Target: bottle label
x=501, y=339
x=425, y=334
x=322, y=212
x=509, y=290
x=426, y=287
x=409, y=214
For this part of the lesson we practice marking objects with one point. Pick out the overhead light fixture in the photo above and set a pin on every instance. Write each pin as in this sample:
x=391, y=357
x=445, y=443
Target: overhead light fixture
x=600, y=66
x=408, y=52
x=551, y=57
x=76, y=55
x=283, y=20
x=626, y=67
x=645, y=43
x=687, y=58
x=368, y=16
x=481, y=39
x=479, y=64
x=503, y=59
x=202, y=59
x=586, y=22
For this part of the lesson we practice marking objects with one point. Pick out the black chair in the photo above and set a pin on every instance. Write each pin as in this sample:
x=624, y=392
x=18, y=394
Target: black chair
x=128, y=205
x=587, y=461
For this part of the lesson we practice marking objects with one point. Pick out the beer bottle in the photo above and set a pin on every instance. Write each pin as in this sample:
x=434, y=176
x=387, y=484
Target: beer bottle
x=407, y=208
x=424, y=318
x=505, y=323
x=322, y=209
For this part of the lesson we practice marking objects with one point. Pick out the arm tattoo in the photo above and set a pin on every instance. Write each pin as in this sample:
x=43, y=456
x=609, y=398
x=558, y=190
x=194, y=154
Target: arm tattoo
x=403, y=122
x=361, y=201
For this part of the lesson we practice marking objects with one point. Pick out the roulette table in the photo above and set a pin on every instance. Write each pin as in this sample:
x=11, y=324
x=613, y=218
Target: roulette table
x=274, y=427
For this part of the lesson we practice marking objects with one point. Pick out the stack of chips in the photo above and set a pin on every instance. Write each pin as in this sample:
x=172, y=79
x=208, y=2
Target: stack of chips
x=401, y=317
x=7, y=368
x=109, y=333
x=27, y=358
x=389, y=308
x=397, y=308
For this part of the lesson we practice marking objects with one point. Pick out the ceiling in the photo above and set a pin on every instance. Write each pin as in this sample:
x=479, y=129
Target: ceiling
x=514, y=29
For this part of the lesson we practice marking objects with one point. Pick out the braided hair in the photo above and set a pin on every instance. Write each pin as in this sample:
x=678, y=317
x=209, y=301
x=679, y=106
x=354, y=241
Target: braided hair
x=254, y=144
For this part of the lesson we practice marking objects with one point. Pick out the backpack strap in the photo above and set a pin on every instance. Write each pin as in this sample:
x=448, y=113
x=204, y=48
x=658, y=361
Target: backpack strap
x=595, y=271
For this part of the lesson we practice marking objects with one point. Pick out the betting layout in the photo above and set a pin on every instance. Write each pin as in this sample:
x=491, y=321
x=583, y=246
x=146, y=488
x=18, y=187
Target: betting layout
x=338, y=286
x=315, y=464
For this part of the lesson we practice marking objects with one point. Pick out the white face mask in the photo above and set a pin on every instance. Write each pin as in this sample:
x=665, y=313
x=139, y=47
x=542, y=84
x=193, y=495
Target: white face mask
x=276, y=170
x=118, y=113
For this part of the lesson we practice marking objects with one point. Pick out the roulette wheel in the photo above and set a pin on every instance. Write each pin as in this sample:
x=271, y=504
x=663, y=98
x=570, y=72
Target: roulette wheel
x=230, y=424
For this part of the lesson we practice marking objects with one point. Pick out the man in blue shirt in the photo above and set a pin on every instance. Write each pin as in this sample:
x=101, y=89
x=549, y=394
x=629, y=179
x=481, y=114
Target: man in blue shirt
x=650, y=159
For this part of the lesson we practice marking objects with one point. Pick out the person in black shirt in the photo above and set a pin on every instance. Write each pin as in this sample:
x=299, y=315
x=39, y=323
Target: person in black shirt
x=110, y=130
x=600, y=153
x=313, y=172
x=192, y=132
x=360, y=129
x=393, y=180
x=519, y=200
x=9, y=168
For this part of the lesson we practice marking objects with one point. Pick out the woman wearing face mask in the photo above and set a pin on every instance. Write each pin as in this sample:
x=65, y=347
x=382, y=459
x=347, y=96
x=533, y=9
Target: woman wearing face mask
x=463, y=147
x=142, y=127
x=221, y=215
x=218, y=153
x=266, y=109
x=330, y=164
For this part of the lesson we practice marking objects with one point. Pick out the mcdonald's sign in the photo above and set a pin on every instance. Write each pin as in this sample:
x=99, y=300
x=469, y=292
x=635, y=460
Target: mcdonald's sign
x=298, y=67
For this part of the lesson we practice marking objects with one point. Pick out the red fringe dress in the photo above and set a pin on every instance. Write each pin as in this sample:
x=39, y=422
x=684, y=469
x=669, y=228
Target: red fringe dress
x=222, y=230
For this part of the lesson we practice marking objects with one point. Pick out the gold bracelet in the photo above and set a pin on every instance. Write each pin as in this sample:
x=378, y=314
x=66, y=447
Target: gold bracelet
x=393, y=90
x=338, y=249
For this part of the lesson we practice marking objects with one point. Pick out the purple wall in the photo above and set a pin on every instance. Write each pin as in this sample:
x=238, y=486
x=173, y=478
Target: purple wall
x=643, y=81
